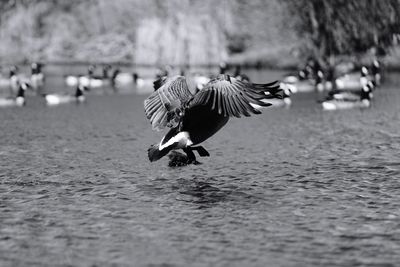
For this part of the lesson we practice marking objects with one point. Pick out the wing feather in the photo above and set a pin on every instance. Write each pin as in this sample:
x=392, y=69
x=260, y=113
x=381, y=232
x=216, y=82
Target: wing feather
x=230, y=108
x=235, y=105
x=163, y=106
x=232, y=97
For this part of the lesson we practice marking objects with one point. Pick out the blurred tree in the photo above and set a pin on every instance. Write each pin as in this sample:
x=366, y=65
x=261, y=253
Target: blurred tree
x=166, y=31
x=337, y=27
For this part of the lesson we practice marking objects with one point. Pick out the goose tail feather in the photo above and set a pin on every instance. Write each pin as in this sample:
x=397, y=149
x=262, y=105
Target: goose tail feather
x=155, y=154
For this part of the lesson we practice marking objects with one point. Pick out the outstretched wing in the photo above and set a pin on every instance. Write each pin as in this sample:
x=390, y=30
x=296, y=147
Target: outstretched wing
x=233, y=97
x=163, y=107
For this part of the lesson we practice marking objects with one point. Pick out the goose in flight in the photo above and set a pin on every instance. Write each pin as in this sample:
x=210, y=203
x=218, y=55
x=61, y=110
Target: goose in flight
x=193, y=118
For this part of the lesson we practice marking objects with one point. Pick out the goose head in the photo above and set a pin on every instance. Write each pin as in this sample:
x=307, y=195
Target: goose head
x=13, y=71
x=20, y=99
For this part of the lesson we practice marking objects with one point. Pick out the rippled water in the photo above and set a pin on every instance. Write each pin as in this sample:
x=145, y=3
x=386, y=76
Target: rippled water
x=291, y=187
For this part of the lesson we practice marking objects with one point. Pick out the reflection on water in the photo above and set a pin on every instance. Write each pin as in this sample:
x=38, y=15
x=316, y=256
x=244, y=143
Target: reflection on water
x=290, y=187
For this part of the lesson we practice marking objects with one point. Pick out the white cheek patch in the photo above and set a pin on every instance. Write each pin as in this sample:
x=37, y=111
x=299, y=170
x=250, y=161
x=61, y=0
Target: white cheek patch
x=182, y=138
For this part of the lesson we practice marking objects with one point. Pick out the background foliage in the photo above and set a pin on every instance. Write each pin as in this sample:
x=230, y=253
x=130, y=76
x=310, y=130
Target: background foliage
x=338, y=27
x=264, y=32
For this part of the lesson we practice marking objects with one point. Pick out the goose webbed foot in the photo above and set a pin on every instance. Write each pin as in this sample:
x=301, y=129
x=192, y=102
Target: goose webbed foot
x=178, y=159
x=191, y=158
x=201, y=150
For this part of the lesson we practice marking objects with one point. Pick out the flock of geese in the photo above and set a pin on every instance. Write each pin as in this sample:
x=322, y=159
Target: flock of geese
x=18, y=84
x=346, y=89
x=351, y=89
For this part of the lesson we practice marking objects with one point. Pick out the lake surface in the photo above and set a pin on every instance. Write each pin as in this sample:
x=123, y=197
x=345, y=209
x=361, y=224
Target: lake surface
x=290, y=187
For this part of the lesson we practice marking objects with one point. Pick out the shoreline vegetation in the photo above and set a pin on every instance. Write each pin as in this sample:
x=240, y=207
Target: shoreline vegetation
x=254, y=34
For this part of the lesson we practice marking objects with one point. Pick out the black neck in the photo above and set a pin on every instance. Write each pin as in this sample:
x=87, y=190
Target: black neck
x=21, y=92
x=78, y=92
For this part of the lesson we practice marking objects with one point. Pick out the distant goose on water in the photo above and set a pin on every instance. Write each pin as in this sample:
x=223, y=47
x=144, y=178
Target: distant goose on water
x=347, y=100
x=37, y=76
x=57, y=99
x=19, y=100
x=193, y=118
x=14, y=81
x=90, y=80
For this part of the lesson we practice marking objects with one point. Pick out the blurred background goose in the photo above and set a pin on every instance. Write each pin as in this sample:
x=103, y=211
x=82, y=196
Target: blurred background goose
x=376, y=72
x=308, y=79
x=10, y=82
x=90, y=80
x=353, y=80
x=17, y=101
x=348, y=100
x=95, y=81
x=75, y=80
x=119, y=78
x=37, y=77
x=57, y=99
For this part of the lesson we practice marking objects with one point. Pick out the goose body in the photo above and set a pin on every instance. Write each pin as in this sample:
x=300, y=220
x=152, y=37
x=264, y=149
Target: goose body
x=12, y=102
x=348, y=82
x=57, y=99
x=349, y=100
x=71, y=80
x=354, y=80
x=346, y=95
x=89, y=80
x=119, y=78
x=37, y=80
x=376, y=72
x=306, y=85
x=342, y=104
x=37, y=76
x=193, y=118
x=18, y=101
x=11, y=82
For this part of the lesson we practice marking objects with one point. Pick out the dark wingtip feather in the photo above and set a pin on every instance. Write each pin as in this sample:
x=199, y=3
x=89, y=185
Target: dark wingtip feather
x=155, y=154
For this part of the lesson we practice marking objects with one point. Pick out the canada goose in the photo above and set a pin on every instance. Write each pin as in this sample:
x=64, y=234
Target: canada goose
x=19, y=100
x=90, y=80
x=57, y=99
x=193, y=118
x=37, y=76
x=348, y=100
x=376, y=72
x=353, y=80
